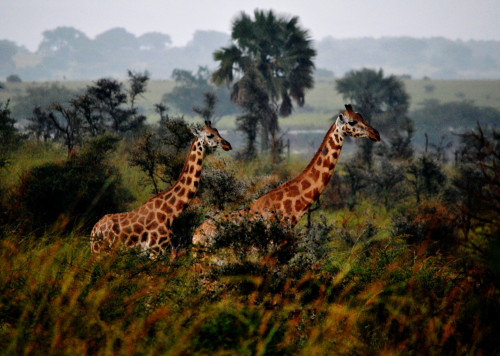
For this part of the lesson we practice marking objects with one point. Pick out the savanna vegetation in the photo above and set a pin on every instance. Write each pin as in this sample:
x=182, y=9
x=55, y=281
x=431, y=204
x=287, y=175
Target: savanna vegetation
x=400, y=255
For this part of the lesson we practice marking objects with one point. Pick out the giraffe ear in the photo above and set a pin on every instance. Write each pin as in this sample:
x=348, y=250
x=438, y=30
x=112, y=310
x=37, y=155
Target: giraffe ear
x=341, y=119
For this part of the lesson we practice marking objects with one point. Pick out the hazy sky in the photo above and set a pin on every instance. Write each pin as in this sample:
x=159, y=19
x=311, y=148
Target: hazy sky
x=23, y=21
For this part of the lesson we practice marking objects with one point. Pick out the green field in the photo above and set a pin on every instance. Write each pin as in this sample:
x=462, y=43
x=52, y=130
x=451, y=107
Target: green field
x=322, y=102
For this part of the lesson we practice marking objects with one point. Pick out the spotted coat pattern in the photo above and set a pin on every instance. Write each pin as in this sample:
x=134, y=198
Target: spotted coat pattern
x=290, y=201
x=149, y=226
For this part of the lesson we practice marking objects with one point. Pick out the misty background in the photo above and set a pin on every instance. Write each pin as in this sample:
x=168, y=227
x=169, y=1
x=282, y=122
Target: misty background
x=67, y=53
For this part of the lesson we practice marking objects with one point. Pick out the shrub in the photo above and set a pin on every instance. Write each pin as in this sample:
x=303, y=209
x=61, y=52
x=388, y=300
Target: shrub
x=220, y=186
x=71, y=194
x=429, y=223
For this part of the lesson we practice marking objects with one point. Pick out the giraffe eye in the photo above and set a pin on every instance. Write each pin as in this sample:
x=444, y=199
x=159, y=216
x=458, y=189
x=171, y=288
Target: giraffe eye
x=352, y=123
x=210, y=135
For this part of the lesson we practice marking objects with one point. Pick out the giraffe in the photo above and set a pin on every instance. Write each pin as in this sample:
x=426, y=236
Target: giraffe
x=148, y=227
x=291, y=200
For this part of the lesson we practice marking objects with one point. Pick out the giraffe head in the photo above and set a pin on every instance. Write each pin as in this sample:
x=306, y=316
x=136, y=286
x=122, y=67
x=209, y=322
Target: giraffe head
x=210, y=137
x=353, y=124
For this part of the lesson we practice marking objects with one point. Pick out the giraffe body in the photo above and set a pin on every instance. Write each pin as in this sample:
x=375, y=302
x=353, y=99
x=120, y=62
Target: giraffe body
x=149, y=227
x=291, y=200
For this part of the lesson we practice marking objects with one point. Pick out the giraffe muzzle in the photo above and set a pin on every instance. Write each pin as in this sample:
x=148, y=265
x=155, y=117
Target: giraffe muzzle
x=226, y=146
x=374, y=136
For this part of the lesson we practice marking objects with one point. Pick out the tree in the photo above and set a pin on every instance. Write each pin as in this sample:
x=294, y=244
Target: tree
x=207, y=111
x=477, y=182
x=425, y=176
x=111, y=99
x=85, y=107
x=385, y=180
x=41, y=125
x=192, y=90
x=41, y=96
x=68, y=122
x=273, y=50
x=138, y=83
x=116, y=40
x=8, y=133
x=255, y=107
x=382, y=101
x=158, y=152
x=137, y=86
x=62, y=41
x=453, y=117
x=146, y=154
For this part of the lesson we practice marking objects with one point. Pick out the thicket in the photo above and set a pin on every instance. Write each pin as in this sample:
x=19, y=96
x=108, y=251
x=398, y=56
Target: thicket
x=69, y=195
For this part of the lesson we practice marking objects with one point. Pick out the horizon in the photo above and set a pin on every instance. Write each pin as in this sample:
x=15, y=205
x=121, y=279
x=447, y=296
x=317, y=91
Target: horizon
x=458, y=20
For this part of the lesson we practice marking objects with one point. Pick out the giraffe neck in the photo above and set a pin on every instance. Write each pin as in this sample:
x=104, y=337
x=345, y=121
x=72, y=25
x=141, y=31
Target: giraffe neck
x=174, y=200
x=292, y=199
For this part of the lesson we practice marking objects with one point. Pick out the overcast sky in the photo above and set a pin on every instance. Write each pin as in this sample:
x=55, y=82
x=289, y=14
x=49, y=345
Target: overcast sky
x=23, y=21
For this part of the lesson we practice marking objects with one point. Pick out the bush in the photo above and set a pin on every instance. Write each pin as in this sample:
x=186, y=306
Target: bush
x=72, y=194
x=220, y=186
x=429, y=223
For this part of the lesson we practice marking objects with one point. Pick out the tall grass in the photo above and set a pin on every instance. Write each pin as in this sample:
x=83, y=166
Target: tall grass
x=360, y=281
x=376, y=296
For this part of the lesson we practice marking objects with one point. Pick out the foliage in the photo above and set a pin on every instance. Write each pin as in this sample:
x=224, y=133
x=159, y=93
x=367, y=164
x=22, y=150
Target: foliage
x=425, y=176
x=110, y=100
x=9, y=135
x=475, y=187
x=383, y=102
x=68, y=52
x=271, y=53
x=146, y=154
x=100, y=109
x=160, y=153
x=220, y=186
x=454, y=117
x=41, y=96
x=195, y=87
x=72, y=194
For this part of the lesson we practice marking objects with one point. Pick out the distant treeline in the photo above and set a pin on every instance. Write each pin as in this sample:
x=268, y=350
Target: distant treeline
x=67, y=53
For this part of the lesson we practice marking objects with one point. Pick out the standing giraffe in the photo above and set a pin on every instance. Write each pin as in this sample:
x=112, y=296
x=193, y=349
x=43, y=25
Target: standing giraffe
x=149, y=226
x=291, y=200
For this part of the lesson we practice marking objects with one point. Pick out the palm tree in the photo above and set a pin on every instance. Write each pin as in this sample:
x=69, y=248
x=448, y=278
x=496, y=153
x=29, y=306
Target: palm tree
x=270, y=54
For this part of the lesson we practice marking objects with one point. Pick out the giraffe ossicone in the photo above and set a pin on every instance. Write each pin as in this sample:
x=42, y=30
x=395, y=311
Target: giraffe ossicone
x=149, y=227
x=291, y=200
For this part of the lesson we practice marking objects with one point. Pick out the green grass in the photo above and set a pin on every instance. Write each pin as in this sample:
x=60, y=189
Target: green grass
x=322, y=102
x=31, y=154
x=481, y=92
x=370, y=292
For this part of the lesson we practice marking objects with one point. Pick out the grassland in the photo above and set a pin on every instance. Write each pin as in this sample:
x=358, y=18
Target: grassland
x=363, y=280
x=395, y=276
x=322, y=102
